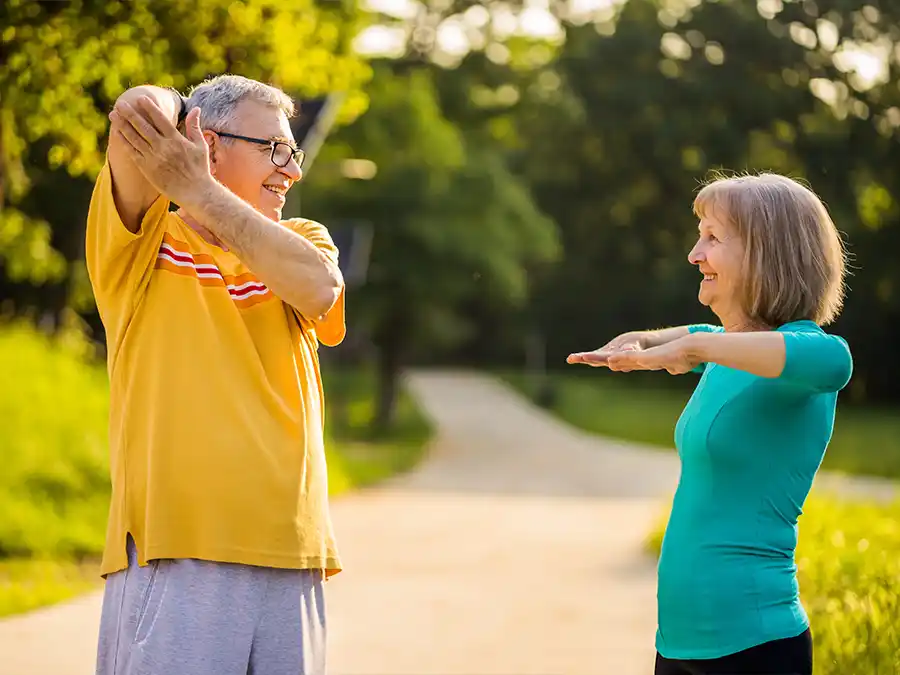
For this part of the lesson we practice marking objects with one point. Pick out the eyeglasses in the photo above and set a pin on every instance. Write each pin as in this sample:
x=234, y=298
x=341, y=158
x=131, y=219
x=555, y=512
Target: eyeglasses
x=282, y=153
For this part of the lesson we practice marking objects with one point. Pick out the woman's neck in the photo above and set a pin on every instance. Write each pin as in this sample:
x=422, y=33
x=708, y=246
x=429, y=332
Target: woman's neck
x=739, y=322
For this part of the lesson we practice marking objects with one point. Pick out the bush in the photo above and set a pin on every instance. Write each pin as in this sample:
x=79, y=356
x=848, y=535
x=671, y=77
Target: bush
x=54, y=487
x=848, y=560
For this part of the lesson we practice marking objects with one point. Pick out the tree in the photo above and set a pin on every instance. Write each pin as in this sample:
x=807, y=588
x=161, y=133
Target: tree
x=639, y=108
x=451, y=224
x=62, y=65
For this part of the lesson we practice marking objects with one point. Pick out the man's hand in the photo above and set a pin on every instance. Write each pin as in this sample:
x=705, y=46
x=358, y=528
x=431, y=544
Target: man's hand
x=176, y=165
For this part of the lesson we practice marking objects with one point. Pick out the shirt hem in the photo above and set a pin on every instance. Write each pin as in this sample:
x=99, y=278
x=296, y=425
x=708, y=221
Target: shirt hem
x=331, y=565
x=734, y=648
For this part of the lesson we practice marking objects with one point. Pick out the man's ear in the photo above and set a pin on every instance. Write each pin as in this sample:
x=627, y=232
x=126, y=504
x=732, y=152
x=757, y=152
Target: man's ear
x=212, y=140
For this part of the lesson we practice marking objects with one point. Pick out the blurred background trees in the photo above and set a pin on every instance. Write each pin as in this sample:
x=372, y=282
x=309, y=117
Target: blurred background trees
x=532, y=164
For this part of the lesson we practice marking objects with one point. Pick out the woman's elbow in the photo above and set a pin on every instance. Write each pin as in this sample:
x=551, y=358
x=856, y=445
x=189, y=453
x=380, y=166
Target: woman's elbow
x=840, y=368
x=845, y=371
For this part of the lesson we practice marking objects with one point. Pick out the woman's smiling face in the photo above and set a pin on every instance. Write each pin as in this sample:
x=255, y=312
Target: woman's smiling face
x=718, y=255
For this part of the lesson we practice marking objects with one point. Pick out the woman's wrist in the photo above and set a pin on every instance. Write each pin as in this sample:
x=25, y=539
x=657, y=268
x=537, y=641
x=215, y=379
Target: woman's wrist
x=656, y=338
x=695, y=345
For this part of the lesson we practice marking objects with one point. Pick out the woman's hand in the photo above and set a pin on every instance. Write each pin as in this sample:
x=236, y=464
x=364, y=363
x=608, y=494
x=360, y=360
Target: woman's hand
x=626, y=342
x=627, y=352
x=677, y=357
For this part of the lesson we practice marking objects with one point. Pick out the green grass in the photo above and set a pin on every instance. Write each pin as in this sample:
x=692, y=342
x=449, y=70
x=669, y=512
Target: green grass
x=644, y=407
x=54, y=487
x=27, y=584
x=848, y=560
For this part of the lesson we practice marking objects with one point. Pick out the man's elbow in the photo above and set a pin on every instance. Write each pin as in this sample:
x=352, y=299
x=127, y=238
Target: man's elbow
x=164, y=98
x=327, y=293
x=325, y=300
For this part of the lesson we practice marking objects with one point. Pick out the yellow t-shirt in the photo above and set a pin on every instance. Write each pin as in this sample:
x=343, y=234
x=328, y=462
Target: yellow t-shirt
x=216, y=420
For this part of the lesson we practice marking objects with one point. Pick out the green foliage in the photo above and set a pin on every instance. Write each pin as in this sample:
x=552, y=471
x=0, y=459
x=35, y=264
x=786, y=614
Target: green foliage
x=848, y=560
x=451, y=222
x=54, y=492
x=615, y=134
x=643, y=407
x=25, y=248
x=62, y=65
x=849, y=571
x=30, y=583
x=54, y=487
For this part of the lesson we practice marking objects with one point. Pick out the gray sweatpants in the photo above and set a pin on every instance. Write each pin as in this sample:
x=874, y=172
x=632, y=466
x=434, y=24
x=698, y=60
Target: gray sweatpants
x=192, y=617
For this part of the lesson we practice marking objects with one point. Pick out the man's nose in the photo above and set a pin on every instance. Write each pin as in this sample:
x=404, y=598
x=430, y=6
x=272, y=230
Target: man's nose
x=292, y=170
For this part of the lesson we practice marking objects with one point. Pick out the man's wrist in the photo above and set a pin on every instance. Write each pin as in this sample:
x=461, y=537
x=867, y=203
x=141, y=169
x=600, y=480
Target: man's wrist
x=202, y=197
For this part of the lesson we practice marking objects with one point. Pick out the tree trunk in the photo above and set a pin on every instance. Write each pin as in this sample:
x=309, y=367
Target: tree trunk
x=2, y=165
x=389, y=363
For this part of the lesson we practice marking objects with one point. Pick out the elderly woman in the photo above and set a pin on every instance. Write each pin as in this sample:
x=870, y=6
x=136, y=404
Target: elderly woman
x=754, y=433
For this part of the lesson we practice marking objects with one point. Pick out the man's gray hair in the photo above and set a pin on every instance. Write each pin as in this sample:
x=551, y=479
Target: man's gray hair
x=218, y=99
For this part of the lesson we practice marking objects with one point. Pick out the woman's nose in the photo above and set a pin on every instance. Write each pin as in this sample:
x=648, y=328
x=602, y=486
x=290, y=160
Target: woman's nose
x=697, y=254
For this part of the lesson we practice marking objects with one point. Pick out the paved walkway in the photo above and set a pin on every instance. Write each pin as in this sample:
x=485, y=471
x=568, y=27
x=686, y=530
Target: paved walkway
x=514, y=549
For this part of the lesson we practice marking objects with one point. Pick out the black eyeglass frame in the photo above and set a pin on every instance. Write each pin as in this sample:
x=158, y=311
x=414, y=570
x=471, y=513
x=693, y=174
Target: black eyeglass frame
x=297, y=154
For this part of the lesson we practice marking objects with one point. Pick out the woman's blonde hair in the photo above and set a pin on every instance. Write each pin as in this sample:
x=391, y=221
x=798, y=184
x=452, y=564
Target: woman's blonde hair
x=794, y=259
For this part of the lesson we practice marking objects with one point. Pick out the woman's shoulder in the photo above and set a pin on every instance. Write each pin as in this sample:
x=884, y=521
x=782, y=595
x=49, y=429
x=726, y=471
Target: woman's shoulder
x=815, y=356
x=810, y=329
x=802, y=326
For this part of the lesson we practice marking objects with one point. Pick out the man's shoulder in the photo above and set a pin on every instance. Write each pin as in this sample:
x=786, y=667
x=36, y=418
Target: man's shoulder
x=299, y=224
x=312, y=230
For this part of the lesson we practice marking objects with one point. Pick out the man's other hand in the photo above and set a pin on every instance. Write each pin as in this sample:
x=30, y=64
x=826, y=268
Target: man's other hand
x=177, y=165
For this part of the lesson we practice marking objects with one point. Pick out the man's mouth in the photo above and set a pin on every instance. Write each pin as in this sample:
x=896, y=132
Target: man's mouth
x=709, y=277
x=280, y=190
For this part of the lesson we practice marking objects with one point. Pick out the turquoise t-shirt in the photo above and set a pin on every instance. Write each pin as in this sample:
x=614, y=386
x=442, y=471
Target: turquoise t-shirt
x=749, y=447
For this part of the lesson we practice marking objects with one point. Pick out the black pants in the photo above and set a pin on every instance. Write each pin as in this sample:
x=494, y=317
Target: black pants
x=790, y=656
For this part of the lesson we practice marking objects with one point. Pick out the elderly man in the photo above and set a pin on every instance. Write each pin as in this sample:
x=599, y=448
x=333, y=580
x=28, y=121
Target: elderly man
x=219, y=535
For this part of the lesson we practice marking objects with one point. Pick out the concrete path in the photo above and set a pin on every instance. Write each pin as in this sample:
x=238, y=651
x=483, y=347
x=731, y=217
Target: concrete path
x=514, y=549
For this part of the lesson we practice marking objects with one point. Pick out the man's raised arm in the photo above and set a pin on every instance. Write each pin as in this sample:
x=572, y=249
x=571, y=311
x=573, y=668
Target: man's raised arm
x=132, y=192
x=294, y=268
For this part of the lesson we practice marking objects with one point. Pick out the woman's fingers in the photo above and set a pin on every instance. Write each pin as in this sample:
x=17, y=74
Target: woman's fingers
x=600, y=357
x=595, y=358
x=625, y=361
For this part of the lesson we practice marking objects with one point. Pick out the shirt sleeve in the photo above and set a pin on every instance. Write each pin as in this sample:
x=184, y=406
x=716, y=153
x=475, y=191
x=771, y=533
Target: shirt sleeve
x=816, y=361
x=120, y=262
x=331, y=328
x=703, y=328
